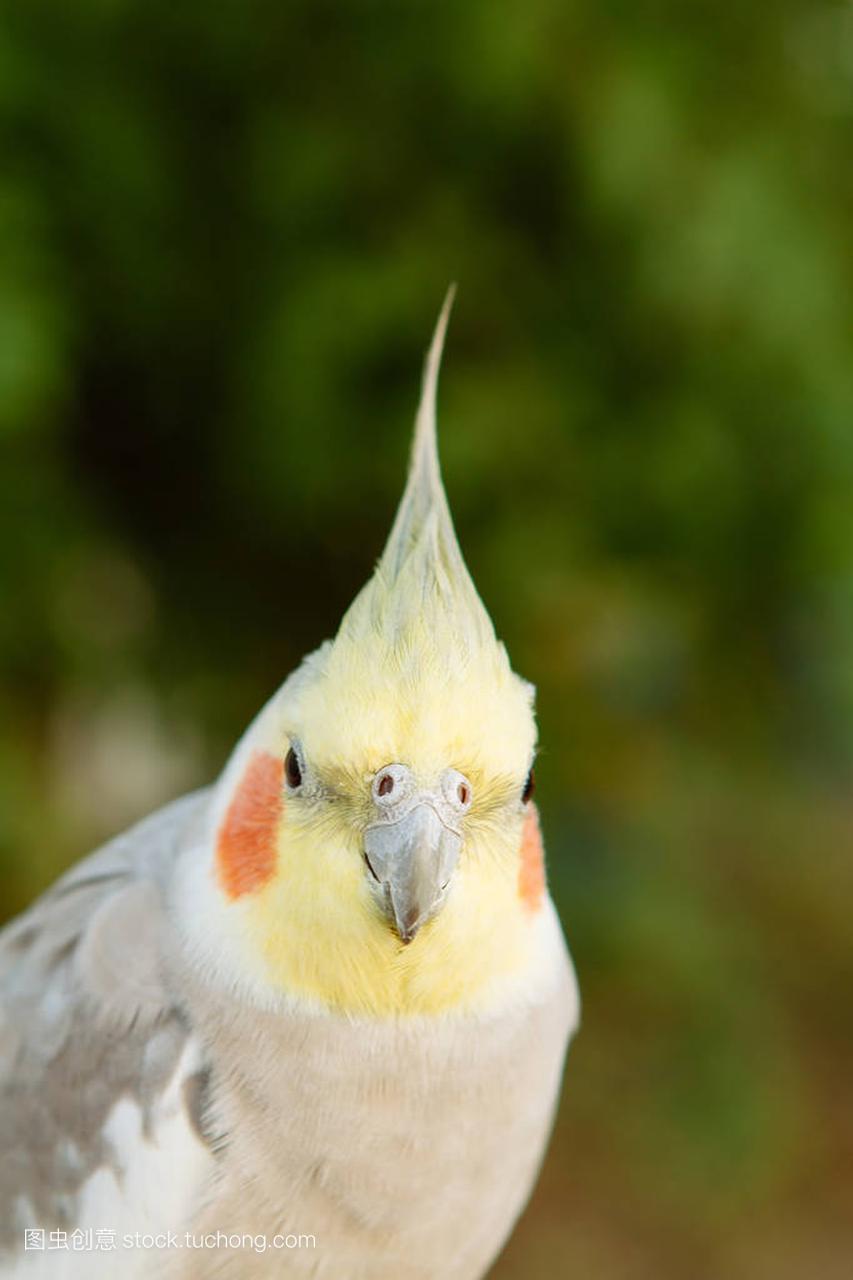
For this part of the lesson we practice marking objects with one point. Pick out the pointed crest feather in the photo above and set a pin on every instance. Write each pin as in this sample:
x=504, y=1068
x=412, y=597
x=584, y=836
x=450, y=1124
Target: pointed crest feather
x=424, y=491
x=418, y=630
x=421, y=584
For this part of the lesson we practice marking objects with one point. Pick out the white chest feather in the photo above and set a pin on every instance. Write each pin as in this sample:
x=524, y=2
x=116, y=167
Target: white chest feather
x=406, y=1148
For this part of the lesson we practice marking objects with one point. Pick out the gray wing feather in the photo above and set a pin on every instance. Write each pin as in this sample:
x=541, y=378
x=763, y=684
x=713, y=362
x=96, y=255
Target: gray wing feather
x=86, y=1016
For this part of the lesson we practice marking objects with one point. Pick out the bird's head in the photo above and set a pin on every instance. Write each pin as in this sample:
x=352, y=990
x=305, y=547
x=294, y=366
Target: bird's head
x=374, y=844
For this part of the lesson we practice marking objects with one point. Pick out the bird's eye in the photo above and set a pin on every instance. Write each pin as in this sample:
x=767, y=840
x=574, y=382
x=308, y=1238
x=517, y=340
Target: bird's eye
x=529, y=787
x=292, y=770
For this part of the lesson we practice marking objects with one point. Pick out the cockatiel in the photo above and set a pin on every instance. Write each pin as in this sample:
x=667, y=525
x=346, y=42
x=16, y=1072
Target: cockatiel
x=311, y=1021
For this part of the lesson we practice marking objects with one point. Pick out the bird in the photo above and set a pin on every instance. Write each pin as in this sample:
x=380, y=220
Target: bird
x=311, y=1020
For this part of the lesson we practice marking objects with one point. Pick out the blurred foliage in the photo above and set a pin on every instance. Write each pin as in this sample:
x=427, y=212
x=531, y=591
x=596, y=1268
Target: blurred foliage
x=225, y=231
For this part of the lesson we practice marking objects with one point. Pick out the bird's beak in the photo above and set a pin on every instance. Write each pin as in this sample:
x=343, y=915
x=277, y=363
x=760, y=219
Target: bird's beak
x=412, y=861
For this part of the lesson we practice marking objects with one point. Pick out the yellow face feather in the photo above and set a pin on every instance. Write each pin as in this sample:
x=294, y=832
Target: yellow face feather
x=322, y=935
x=416, y=677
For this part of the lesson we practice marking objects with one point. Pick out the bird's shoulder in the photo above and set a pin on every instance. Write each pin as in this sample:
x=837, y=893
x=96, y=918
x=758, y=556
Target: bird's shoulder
x=95, y=1048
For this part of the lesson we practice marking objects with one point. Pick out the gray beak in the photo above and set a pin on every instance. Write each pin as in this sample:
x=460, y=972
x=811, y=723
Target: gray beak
x=412, y=859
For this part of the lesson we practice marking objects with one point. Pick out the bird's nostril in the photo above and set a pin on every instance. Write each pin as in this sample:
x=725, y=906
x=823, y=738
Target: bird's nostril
x=463, y=792
x=386, y=785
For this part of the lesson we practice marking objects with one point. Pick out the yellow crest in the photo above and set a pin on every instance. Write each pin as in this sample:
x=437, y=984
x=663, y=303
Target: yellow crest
x=416, y=671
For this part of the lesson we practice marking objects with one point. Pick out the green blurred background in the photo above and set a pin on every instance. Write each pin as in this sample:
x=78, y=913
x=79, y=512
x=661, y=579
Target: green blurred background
x=225, y=231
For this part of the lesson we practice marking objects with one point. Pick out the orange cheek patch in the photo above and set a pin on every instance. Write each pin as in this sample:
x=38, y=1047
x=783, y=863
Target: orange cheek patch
x=246, y=847
x=531, y=872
